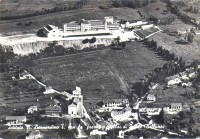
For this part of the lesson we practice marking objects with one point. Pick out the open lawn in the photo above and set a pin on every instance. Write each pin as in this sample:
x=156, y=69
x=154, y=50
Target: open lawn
x=100, y=74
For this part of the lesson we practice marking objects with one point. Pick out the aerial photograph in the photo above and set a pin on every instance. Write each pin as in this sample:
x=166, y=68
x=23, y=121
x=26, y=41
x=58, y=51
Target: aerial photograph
x=99, y=69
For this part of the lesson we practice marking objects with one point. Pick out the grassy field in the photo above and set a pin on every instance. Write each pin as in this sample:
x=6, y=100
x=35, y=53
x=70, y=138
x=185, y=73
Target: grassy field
x=21, y=7
x=100, y=74
x=156, y=9
x=58, y=19
x=189, y=52
x=193, y=3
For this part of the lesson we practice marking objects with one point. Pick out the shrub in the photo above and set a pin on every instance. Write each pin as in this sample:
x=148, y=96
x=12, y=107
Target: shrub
x=28, y=23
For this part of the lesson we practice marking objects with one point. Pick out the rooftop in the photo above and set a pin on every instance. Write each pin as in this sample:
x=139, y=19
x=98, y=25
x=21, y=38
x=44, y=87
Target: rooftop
x=15, y=118
x=114, y=113
x=55, y=107
x=151, y=95
x=176, y=105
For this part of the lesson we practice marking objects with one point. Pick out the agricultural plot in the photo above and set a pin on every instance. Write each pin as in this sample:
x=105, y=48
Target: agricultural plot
x=21, y=93
x=100, y=74
x=172, y=94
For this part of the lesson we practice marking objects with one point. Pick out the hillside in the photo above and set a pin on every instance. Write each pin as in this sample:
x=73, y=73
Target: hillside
x=22, y=7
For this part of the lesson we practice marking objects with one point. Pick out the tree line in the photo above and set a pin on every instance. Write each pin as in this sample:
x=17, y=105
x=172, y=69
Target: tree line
x=176, y=10
x=6, y=58
x=172, y=67
x=132, y=3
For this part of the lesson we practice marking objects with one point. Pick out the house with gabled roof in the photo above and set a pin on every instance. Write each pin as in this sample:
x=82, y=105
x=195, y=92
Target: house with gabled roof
x=72, y=109
x=25, y=75
x=151, y=97
x=173, y=108
x=121, y=115
x=15, y=120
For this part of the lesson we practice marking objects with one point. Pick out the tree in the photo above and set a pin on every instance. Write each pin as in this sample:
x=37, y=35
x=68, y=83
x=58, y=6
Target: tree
x=93, y=40
x=123, y=45
x=190, y=37
x=117, y=3
x=118, y=40
x=85, y=41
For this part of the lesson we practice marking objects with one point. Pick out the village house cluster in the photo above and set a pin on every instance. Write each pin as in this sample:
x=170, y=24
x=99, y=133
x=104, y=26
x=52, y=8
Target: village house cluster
x=106, y=115
x=183, y=78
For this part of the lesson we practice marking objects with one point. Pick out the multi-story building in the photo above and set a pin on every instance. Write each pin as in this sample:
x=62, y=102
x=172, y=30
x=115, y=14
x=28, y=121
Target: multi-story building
x=91, y=25
x=72, y=26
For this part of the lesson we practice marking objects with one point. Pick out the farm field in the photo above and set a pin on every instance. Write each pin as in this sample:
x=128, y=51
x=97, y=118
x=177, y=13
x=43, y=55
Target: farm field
x=100, y=74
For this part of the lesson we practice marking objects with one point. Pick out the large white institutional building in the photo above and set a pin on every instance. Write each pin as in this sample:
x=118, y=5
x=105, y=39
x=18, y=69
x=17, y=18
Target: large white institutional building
x=95, y=25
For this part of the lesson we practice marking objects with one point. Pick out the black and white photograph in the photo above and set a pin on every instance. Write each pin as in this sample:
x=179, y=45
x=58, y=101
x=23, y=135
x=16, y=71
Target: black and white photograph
x=99, y=69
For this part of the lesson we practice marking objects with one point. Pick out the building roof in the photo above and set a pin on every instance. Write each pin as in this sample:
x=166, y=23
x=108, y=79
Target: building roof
x=15, y=118
x=48, y=87
x=72, y=105
x=34, y=133
x=116, y=100
x=102, y=123
x=55, y=107
x=135, y=21
x=96, y=22
x=176, y=105
x=153, y=105
x=150, y=95
x=32, y=107
x=49, y=27
x=24, y=73
x=74, y=23
x=114, y=113
x=110, y=24
x=85, y=22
